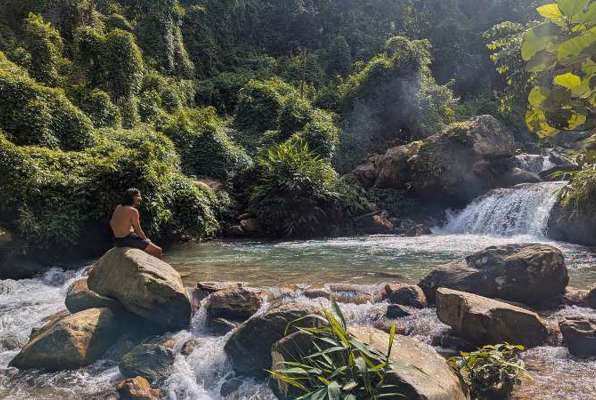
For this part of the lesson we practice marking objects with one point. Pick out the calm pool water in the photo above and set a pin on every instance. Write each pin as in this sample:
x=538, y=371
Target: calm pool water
x=366, y=259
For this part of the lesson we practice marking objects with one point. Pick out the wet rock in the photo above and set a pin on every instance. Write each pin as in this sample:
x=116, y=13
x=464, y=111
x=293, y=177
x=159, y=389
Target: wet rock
x=221, y=326
x=230, y=386
x=48, y=322
x=396, y=311
x=204, y=289
x=237, y=304
x=151, y=361
x=189, y=346
x=79, y=297
x=418, y=373
x=527, y=273
x=144, y=285
x=575, y=297
x=374, y=223
x=316, y=293
x=450, y=341
x=481, y=320
x=518, y=176
x=590, y=299
x=579, y=335
x=72, y=342
x=385, y=324
x=406, y=295
x=249, y=346
x=570, y=224
x=137, y=388
x=354, y=294
x=249, y=225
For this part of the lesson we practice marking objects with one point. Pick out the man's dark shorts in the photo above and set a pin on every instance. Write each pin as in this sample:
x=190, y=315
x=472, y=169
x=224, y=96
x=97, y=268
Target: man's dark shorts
x=132, y=240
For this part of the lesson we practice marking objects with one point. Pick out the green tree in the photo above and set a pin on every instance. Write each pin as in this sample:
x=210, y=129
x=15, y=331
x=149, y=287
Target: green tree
x=560, y=52
x=45, y=45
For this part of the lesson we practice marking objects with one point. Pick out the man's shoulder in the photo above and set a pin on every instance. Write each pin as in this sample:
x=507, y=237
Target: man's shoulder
x=129, y=209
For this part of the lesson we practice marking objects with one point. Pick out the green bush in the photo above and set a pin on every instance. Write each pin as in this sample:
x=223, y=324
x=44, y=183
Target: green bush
x=491, y=372
x=51, y=198
x=99, y=107
x=295, y=113
x=321, y=134
x=392, y=98
x=202, y=140
x=259, y=105
x=34, y=114
x=294, y=193
x=45, y=46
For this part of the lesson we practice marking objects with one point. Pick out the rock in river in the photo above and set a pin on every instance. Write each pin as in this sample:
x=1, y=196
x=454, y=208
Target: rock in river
x=481, y=320
x=237, y=304
x=579, y=335
x=144, y=285
x=249, y=346
x=150, y=360
x=71, y=342
x=526, y=273
x=79, y=297
x=418, y=373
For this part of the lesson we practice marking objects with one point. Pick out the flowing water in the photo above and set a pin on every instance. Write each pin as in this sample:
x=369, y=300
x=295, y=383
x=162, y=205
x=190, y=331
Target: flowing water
x=502, y=216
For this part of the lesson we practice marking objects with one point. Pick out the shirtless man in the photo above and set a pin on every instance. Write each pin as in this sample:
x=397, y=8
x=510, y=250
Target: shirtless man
x=126, y=225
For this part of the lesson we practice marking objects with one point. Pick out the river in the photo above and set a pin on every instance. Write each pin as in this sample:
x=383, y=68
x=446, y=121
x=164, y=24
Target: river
x=503, y=216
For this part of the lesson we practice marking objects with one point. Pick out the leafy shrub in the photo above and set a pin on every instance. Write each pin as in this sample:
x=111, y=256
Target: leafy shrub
x=392, y=98
x=321, y=134
x=34, y=114
x=339, y=366
x=99, y=107
x=52, y=198
x=580, y=195
x=490, y=372
x=259, y=105
x=295, y=113
x=45, y=45
x=206, y=149
x=296, y=192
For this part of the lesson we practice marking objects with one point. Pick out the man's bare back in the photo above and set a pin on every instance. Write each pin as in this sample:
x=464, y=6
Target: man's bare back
x=126, y=225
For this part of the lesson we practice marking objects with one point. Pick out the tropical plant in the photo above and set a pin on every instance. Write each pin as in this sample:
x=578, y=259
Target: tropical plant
x=491, y=372
x=560, y=51
x=339, y=367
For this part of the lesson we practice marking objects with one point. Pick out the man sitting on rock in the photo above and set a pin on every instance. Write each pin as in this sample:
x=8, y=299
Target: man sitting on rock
x=126, y=225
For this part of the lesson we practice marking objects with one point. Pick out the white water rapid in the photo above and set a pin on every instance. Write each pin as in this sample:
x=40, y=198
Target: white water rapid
x=521, y=210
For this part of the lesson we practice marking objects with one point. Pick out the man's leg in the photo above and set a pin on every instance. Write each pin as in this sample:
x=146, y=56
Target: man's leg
x=154, y=250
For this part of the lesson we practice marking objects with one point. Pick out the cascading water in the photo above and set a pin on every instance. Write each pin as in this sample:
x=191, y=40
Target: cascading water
x=520, y=210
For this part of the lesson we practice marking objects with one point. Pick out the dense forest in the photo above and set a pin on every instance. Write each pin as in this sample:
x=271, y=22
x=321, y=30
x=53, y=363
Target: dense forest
x=219, y=108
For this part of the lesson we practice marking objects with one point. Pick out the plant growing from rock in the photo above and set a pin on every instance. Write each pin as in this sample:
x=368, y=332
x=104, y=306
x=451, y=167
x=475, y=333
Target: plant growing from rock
x=340, y=367
x=491, y=372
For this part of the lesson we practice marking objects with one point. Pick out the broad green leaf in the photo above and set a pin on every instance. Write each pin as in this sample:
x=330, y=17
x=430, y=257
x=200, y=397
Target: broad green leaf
x=575, y=46
x=576, y=120
x=541, y=61
x=588, y=17
x=568, y=80
x=334, y=391
x=536, y=97
x=551, y=12
x=572, y=7
x=539, y=38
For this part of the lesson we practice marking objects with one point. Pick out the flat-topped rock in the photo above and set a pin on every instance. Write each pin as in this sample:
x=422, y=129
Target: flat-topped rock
x=79, y=297
x=144, y=285
x=526, y=273
x=482, y=321
x=237, y=304
x=579, y=335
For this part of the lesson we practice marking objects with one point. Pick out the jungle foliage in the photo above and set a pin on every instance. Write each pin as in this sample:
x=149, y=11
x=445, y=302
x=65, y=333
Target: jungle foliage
x=274, y=99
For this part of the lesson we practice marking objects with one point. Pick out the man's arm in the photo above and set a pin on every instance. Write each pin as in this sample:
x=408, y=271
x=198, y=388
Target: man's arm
x=136, y=224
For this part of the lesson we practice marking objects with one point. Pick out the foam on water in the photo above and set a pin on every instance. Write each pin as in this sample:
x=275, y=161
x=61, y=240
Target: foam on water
x=521, y=210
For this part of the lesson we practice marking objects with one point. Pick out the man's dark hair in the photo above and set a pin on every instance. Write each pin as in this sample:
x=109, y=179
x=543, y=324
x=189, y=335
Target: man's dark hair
x=129, y=196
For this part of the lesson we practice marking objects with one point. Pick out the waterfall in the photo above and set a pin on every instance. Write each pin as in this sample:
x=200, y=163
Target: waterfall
x=521, y=210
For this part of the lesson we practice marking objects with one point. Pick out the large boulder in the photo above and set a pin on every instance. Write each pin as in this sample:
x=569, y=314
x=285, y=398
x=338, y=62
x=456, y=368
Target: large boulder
x=137, y=388
x=237, y=304
x=79, y=297
x=144, y=285
x=249, y=346
x=406, y=295
x=526, y=273
x=454, y=166
x=579, y=335
x=72, y=342
x=418, y=372
x=570, y=224
x=482, y=321
x=152, y=361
